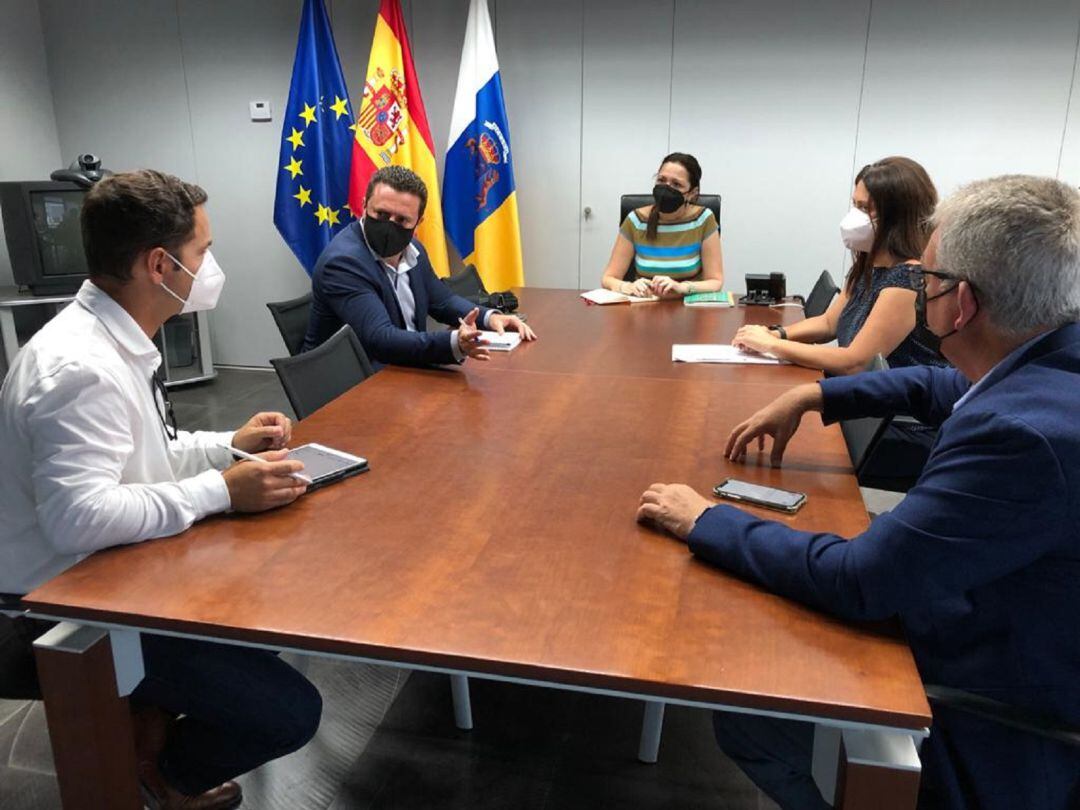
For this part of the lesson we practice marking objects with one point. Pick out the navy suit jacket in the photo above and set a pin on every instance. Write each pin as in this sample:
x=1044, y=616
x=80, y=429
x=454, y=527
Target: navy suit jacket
x=981, y=562
x=350, y=286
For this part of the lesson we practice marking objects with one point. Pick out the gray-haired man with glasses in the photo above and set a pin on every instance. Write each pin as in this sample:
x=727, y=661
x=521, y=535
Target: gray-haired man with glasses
x=981, y=561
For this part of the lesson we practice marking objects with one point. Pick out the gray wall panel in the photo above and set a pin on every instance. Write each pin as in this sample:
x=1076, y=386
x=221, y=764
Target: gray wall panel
x=118, y=82
x=236, y=159
x=29, y=146
x=540, y=53
x=765, y=96
x=626, y=102
x=970, y=88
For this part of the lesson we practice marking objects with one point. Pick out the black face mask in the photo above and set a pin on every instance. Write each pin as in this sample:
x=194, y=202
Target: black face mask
x=931, y=340
x=385, y=237
x=668, y=200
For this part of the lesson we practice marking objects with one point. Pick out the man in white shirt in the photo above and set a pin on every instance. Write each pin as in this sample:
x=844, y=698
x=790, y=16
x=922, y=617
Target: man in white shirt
x=92, y=459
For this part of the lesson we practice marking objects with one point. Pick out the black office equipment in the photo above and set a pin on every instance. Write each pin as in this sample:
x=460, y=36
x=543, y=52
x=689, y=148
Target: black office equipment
x=44, y=238
x=84, y=171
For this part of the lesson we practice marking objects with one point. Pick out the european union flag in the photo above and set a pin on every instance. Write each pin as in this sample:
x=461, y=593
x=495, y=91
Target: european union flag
x=311, y=204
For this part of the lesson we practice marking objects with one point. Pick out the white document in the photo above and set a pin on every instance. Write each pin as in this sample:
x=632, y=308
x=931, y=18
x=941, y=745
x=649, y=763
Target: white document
x=719, y=353
x=603, y=297
x=506, y=342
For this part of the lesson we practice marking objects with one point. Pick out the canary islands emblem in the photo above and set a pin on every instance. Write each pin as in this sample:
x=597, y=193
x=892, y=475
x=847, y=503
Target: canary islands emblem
x=488, y=151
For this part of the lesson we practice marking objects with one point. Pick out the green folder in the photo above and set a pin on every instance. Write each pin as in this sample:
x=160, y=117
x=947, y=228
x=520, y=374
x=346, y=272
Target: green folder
x=709, y=299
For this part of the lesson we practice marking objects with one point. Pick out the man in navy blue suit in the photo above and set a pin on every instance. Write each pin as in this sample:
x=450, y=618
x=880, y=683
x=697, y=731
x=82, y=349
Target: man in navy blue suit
x=375, y=278
x=981, y=560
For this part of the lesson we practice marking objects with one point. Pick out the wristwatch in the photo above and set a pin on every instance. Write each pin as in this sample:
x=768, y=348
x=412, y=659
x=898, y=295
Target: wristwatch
x=779, y=330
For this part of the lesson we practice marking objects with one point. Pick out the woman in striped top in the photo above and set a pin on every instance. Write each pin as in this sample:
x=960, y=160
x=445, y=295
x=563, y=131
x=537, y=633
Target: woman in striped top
x=673, y=245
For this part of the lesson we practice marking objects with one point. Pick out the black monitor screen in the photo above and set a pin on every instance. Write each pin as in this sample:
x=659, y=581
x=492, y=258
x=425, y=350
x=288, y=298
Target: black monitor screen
x=56, y=220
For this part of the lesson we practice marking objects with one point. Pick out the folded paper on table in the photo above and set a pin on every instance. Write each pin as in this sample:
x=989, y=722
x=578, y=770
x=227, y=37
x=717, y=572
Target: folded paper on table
x=719, y=353
x=506, y=342
x=603, y=297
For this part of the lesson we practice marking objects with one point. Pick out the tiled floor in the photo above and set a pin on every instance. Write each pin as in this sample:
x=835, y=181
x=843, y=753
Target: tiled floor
x=388, y=739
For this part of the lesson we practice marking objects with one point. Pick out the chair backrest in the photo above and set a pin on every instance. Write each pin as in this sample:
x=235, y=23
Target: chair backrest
x=291, y=318
x=862, y=435
x=821, y=296
x=467, y=284
x=630, y=202
x=313, y=378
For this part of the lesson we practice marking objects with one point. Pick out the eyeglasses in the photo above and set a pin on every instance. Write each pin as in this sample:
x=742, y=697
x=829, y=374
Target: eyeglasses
x=163, y=406
x=917, y=276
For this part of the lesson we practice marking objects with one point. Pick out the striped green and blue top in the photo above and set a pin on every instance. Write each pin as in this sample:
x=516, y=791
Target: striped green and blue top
x=676, y=250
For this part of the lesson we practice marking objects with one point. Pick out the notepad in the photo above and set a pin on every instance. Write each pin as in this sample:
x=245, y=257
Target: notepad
x=506, y=342
x=719, y=353
x=709, y=299
x=604, y=297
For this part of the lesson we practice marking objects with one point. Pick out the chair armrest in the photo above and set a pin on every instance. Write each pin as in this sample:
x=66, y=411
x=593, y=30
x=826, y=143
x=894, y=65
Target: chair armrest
x=1003, y=714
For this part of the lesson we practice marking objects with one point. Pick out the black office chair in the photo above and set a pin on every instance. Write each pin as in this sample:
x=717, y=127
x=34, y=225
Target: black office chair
x=631, y=202
x=291, y=318
x=467, y=284
x=821, y=296
x=18, y=669
x=864, y=438
x=313, y=378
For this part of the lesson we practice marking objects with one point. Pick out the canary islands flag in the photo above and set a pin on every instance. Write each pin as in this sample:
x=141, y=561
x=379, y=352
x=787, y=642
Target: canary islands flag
x=311, y=204
x=479, y=199
x=392, y=128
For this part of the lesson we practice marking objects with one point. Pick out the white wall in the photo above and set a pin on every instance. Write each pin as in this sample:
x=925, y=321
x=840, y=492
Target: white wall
x=29, y=147
x=781, y=100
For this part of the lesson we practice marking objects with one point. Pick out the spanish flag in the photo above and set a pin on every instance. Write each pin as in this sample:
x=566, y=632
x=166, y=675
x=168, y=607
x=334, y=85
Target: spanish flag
x=392, y=127
x=480, y=194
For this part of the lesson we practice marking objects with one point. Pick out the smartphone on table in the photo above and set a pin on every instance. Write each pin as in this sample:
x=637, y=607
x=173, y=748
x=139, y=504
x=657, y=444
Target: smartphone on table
x=782, y=500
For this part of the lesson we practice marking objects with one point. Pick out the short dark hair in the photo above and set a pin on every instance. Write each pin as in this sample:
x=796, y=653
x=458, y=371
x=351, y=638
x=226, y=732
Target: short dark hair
x=127, y=214
x=399, y=179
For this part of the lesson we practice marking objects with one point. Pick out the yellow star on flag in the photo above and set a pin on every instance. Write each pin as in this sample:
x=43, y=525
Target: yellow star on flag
x=304, y=196
x=294, y=167
x=333, y=216
x=340, y=106
x=296, y=139
x=308, y=115
x=322, y=214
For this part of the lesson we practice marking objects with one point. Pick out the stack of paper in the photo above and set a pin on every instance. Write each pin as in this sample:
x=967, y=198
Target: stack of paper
x=506, y=342
x=602, y=297
x=718, y=353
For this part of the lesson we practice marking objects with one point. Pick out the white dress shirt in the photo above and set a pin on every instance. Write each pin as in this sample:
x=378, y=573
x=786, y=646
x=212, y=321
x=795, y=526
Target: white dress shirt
x=85, y=461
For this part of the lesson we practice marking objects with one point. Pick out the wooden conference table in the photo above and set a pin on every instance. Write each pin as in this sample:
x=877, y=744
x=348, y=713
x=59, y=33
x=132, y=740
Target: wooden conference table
x=495, y=537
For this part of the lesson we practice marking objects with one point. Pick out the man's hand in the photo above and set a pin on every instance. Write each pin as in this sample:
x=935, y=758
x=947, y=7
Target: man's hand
x=755, y=338
x=779, y=420
x=469, y=340
x=675, y=507
x=263, y=431
x=500, y=323
x=667, y=287
x=255, y=487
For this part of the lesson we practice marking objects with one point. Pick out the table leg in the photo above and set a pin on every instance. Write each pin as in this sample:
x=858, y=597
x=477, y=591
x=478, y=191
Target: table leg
x=459, y=687
x=652, y=725
x=8, y=336
x=861, y=768
x=89, y=723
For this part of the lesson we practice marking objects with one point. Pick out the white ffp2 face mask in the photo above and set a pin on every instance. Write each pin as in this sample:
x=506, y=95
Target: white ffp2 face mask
x=205, y=286
x=857, y=230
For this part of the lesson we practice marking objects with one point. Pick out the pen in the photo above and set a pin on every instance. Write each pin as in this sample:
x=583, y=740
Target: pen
x=250, y=457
